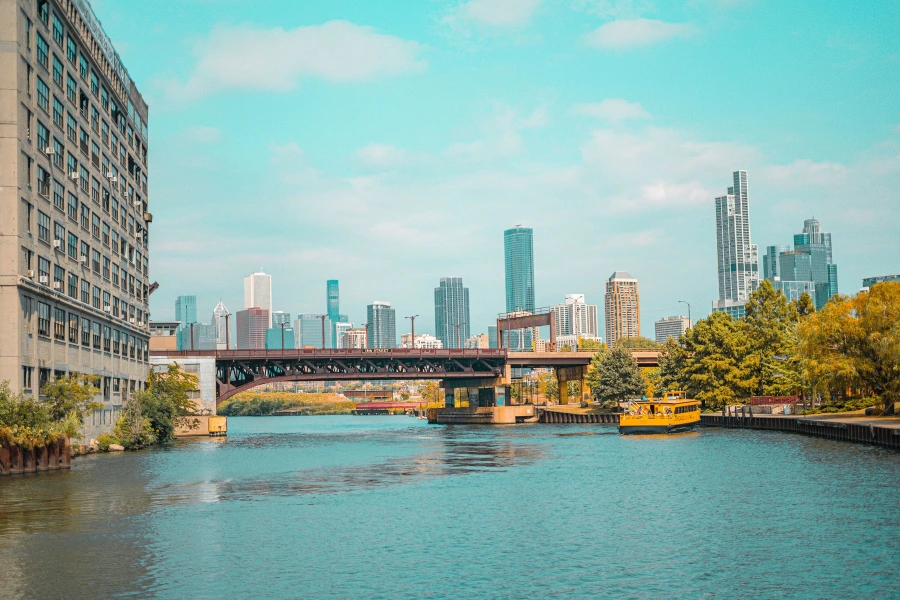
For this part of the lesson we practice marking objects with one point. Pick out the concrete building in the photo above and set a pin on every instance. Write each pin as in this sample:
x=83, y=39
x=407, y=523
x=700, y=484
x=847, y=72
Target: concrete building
x=258, y=293
x=518, y=254
x=204, y=368
x=74, y=245
x=220, y=320
x=737, y=256
x=576, y=318
x=382, y=325
x=451, y=308
x=355, y=338
x=196, y=336
x=479, y=340
x=623, y=307
x=278, y=338
x=163, y=335
x=423, y=341
x=671, y=327
x=340, y=329
x=252, y=324
x=309, y=333
x=868, y=282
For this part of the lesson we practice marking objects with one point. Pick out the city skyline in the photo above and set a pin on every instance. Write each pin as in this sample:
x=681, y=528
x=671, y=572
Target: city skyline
x=611, y=172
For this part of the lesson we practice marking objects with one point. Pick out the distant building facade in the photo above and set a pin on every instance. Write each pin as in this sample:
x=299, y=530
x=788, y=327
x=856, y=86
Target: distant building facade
x=671, y=327
x=737, y=256
x=381, y=320
x=423, y=341
x=808, y=268
x=252, y=324
x=868, y=282
x=220, y=320
x=479, y=340
x=518, y=255
x=275, y=341
x=196, y=336
x=279, y=317
x=355, y=338
x=309, y=333
x=258, y=294
x=451, y=308
x=576, y=318
x=340, y=328
x=623, y=307
x=186, y=309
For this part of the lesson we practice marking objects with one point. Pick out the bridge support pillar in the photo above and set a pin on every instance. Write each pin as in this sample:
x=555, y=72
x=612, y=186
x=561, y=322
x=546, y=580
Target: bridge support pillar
x=566, y=374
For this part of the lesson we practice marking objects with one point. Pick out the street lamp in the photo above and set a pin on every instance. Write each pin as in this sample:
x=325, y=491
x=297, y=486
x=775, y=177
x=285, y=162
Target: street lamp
x=323, y=317
x=412, y=343
x=689, y=311
x=458, y=345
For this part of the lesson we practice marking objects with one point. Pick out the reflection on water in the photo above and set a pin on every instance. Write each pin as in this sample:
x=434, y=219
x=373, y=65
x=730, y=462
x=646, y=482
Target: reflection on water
x=380, y=506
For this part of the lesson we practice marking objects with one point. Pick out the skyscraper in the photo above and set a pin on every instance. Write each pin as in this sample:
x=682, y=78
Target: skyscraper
x=251, y=328
x=451, y=308
x=258, y=293
x=221, y=323
x=309, y=333
x=770, y=260
x=808, y=268
x=575, y=318
x=518, y=253
x=737, y=256
x=381, y=320
x=186, y=309
x=671, y=327
x=278, y=338
x=623, y=307
x=333, y=299
x=279, y=317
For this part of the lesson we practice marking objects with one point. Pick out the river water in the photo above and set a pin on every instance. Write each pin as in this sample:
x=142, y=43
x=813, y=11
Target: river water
x=390, y=507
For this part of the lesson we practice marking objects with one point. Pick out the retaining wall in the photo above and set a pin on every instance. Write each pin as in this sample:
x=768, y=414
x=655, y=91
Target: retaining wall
x=16, y=459
x=863, y=433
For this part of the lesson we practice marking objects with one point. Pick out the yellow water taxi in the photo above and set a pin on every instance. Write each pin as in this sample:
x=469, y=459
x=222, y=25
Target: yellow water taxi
x=672, y=413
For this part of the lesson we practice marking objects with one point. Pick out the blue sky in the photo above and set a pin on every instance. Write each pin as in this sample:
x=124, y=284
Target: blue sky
x=388, y=144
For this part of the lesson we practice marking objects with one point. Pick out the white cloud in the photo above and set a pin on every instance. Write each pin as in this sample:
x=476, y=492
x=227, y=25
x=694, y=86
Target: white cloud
x=388, y=156
x=500, y=135
x=497, y=13
x=805, y=173
x=612, y=110
x=256, y=58
x=634, y=33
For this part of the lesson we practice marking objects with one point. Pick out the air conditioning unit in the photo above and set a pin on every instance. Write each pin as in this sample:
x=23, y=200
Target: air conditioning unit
x=56, y=285
x=107, y=308
x=114, y=180
x=49, y=151
x=131, y=320
x=31, y=273
x=148, y=217
x=83, y=260
x=74, y=176
x=110, y=175
x=137, y=202
x=57, y=243
x=44, y=279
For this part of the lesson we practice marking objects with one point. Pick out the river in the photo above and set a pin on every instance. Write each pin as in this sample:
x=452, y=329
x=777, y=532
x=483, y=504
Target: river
x=390, y=507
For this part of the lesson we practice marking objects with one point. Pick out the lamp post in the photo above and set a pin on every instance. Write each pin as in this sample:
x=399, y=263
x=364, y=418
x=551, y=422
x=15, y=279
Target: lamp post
x=689, y=311
x=227, y=332
x=458, y=345
x=412, y=343
x=282, y=337
x=323, y=317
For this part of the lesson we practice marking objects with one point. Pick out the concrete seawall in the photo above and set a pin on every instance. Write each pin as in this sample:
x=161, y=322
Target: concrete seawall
x=884, y=433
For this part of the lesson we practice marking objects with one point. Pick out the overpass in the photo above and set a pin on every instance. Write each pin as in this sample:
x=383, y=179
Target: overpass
x=241, y=370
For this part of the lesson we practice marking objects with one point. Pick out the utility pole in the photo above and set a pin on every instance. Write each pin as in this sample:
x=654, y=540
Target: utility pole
x=458, y=345
x=689, y=311
x=323, y=317
x=412, y=343
x=227, y=332
x=192, y=337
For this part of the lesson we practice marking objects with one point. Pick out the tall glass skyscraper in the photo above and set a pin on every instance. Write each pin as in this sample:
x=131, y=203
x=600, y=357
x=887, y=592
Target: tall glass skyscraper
x=186, y=309
x=451, y=308
x=258, y=294
x=809, y=267
x=219, y=320
x=333, y=299
x=518, y=252
x=738, y=257
x=381, y=320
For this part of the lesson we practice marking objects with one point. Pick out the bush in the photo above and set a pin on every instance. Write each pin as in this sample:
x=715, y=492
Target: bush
x=105, y=440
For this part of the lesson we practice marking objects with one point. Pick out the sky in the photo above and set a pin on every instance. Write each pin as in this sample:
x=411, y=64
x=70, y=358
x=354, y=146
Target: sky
x=389, y=144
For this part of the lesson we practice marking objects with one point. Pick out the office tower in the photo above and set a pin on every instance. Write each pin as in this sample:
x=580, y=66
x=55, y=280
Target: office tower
x=623, y=307
x=251, y=328
x=381, y=321
x=518, y=253
x=823, y=272
x=279, y=317
x=770, y=260
x=492, y=336
x=308, y=331
x=258, y=293
x=868, y=282
x=737, y=256
x=355, y=338
x=74, y=275
x=340, y=328
x=333, y=305
x=575, y=318
x=451, y=308
x=186, y=309
x=221, y=323
x=671, y=327
x=204, y=336
x=279, y=337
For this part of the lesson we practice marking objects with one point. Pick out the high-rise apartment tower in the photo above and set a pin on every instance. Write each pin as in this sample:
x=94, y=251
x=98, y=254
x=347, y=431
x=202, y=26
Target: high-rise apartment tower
x=623, y=307
x=258, y=293
x=737, y=256
x=518, y=254
x=381, y=320
x=451, y=308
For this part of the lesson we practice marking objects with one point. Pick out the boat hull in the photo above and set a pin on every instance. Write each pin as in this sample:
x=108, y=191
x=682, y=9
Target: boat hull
x=657, y=429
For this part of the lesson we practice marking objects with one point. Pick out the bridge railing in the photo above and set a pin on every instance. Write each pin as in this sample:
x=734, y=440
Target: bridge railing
x=337, y=353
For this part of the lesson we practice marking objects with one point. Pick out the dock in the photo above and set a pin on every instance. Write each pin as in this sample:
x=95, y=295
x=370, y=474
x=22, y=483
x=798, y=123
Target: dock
x=878, y=431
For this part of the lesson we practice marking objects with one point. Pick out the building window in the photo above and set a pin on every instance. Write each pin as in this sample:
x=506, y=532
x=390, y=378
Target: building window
x=43, y=96
x=83, y=178
x=59, y=278
x=85, y=333
x=73, y=286
x=27, y=377
x=71, y=49
x=57, y=71
x=59, y=324
x=71, y=90
x=43, y=270
x=73, y=328
x=96, y=302
x=43, y=182
x=70, y=133
x=96, y=335
x=43, y=136
x=107, y=339
x=58, y=193
x=95, y=190
x=43, y=227
x=73, y=207
x=85, y=252
x=57, y=30
x=58, y=111
x=85, y=217
x=59, y=232
x=85, y=291
x=95, y=261
x=43, y=319
x=42, y=49
x=83, y=66
x=95, y=84
x=27, y=256
x=115, y=275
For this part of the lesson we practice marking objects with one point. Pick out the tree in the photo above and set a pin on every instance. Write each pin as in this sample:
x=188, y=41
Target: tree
x=714, y=371
x=671, y=360
x=618, y=377
x=636, y=342
x=590, y=344
x=548, y=386
x=72, y=394
x=770, y=360
x=804, y=305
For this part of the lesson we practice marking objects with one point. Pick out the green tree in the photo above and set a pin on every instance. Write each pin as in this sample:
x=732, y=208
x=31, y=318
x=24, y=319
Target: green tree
x=618, y=377
x=672, y=360
x=804, y=305
x=770, y=362
x=71, y=395
x=714, y=371
x=548, y=386
x=589, y=344
x=636, y=342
